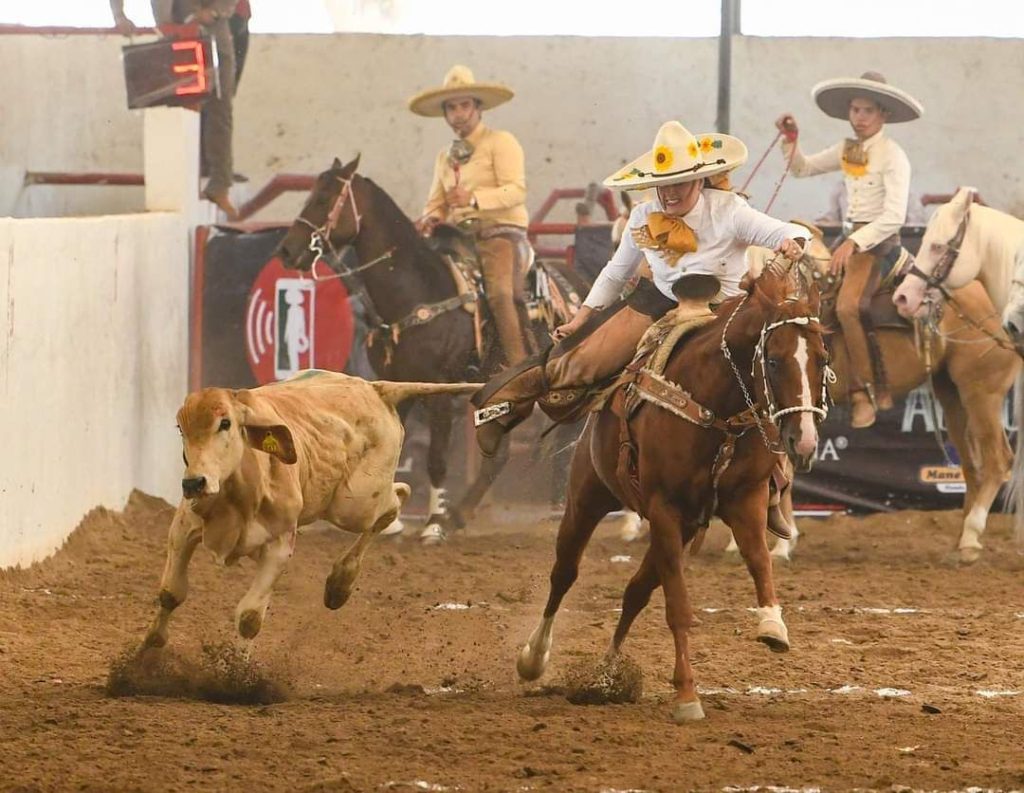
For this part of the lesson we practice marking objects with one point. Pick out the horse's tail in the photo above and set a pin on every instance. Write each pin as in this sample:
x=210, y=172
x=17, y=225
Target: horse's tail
x=393, y=392
x=1015, y=488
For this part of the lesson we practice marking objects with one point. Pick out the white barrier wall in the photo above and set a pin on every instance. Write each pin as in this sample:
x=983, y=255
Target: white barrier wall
x=583, y=106
x=93, y=366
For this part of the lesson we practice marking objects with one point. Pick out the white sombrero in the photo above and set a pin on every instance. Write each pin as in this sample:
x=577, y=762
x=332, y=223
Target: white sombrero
x=679, y=156
x=833, y=96
x=459, y=82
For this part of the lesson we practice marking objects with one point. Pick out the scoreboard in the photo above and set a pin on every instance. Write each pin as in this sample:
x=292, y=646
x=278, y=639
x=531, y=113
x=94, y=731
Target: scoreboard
x=171, y=71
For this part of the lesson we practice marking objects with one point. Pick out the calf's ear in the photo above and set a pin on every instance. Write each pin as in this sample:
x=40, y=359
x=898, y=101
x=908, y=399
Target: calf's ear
x=275, y=440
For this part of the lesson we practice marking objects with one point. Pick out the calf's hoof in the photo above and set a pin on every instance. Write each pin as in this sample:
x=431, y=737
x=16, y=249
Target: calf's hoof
x=336, y=592
x=249, y=624
x=155, y=639
x=685, y=712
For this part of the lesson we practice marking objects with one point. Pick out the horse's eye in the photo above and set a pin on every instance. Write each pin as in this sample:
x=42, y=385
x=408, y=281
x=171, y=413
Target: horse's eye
x=184, y=459
x=773, y=363
x=225, y=424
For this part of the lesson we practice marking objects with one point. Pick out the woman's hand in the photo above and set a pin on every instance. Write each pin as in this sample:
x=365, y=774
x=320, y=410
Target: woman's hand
x=791, y=249
x=573, y=325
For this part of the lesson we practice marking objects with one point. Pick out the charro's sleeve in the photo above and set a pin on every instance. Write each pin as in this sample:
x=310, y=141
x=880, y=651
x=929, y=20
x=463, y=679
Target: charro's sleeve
x=509, y=164
x=896, y=181
x=621, y=267
x=436, y=205
x=824, y=161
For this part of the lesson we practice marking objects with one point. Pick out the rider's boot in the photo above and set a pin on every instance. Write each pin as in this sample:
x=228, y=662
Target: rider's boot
x=862, y=408
x=507, y=401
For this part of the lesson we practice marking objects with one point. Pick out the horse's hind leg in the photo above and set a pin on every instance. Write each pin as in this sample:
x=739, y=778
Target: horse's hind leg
x=440, y=410
x=636, y=597
x=587, y=502
x=746, y=515
x=490, y=467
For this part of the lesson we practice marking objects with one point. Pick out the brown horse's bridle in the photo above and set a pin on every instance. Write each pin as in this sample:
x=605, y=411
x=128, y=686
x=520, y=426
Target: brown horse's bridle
x=321, y=235
x=936, y=279
x=827, y=375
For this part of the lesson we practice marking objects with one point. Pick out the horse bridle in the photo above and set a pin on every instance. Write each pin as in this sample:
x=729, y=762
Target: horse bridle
x=321, y=235
x=938, y=276
x=828, y=375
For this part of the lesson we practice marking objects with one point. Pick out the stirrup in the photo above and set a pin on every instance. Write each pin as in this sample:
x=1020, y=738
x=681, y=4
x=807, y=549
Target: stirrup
x=487, y=414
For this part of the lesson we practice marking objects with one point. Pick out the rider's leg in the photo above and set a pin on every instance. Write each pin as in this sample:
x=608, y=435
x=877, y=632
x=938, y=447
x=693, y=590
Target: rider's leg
x=859, y=269
x=600, y=349
x=498, y=263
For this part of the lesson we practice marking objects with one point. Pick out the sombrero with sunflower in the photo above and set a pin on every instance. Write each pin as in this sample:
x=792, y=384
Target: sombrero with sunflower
x=459, y=82
x=680, y=156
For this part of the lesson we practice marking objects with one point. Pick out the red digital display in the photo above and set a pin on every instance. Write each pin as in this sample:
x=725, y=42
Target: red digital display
x=177, y=72
x=195, y=66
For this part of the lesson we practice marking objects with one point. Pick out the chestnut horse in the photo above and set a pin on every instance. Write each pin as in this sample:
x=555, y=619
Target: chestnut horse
x=422, y=333
x=755, y=378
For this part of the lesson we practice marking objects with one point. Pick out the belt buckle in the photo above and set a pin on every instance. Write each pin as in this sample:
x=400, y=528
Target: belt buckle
x=487, y=414
x=847, y=228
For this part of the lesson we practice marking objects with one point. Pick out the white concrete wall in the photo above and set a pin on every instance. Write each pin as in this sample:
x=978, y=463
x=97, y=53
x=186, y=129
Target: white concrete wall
x=93, y=366
x=584, y=106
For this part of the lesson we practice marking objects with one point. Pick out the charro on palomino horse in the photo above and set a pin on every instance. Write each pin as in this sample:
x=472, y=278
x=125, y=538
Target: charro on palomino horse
x=958, y=351
x=701, y=440
x=417, y=297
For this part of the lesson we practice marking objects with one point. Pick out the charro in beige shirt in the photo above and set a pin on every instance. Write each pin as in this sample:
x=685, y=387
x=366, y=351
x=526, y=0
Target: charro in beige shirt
x=877, y=196
x=495, y=175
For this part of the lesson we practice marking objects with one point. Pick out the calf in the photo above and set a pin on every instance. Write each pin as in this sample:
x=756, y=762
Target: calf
x=260, y=463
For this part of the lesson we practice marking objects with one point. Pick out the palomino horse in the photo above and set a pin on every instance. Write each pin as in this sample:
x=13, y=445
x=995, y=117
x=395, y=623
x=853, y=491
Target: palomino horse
x=755, y=377
x=971, y=374
x=423, y=334
x=965, y=241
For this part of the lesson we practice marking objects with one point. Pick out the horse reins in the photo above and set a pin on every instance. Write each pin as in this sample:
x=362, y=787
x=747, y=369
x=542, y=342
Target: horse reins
x=790, y=137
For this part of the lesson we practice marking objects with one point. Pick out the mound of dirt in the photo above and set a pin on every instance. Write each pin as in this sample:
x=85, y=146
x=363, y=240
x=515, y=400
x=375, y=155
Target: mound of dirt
x=224, y=674
x=608, y=680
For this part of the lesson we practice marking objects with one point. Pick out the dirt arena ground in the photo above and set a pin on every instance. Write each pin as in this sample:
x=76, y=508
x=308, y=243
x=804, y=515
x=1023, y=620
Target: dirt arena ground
x=906, y=672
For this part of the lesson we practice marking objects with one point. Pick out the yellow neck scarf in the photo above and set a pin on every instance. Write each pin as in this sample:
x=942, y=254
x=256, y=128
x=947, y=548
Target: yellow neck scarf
x=671, y=232
x=855, y=158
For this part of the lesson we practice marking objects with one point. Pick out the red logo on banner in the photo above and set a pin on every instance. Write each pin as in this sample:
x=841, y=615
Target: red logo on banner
x=293, y=322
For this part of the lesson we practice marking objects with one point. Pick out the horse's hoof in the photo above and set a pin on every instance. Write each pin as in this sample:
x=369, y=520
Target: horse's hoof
x=685, y=712
x=433, y=534
x=630, y=529
x=969, y=555
x=249, y=624
x=774, y=635
x=530, y=666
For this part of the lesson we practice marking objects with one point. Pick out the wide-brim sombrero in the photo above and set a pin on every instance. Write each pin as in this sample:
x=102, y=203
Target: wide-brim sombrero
x=833, y=97
x=679, y=156
x=459, y=82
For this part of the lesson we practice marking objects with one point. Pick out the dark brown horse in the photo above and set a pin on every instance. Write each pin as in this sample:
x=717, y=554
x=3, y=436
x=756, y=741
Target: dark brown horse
x=759, y=369
x=421, y=333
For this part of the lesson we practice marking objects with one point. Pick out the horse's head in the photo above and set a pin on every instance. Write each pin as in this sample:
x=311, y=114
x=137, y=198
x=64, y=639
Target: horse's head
x=936, y=262
x=790, y=368
x=1013, y=313
x=328, y=220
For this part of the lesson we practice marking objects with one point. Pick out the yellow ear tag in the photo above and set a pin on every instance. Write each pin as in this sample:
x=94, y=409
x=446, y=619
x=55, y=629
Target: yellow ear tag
x=270, y=444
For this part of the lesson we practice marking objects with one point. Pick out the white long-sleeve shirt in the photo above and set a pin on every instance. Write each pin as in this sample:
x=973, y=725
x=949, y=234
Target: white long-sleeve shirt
x=724, y=225
x=878, y=198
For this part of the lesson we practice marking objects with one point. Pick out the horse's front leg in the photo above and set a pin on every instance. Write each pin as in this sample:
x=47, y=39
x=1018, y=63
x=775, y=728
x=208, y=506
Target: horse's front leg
x=745, y=512
x=667, y=549
x=587, y=502
x=184, y=535
x=440, y=410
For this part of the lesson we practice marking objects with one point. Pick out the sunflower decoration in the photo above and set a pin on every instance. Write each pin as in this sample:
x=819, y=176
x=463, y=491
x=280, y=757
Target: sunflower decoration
x=662, y=159
x=692, y=148
x=707, y=143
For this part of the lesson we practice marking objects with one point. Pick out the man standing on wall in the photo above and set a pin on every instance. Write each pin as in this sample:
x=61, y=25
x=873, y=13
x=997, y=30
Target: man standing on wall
x=876, y=174
x=214, y=16
x=480, y=184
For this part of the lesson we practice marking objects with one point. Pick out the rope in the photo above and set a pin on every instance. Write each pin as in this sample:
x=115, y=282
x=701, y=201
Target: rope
x=790, y=136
